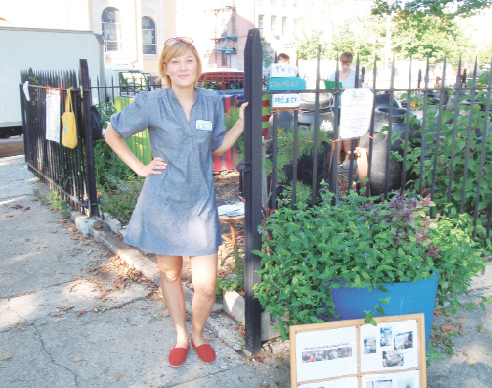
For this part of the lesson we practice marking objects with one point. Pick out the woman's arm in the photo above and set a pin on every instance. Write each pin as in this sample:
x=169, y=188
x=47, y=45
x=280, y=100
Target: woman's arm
x=231, y=136
x=120, y=148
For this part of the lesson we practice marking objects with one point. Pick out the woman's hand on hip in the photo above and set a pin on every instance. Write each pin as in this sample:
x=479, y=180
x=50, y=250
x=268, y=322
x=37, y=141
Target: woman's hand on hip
x=153, y=167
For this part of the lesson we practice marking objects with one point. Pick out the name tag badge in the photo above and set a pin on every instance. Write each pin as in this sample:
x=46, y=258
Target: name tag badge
x=204, y=125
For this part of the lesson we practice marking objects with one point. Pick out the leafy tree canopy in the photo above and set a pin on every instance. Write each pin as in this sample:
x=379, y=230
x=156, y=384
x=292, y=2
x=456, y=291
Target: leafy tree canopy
x=444, y=9
x=429, y=35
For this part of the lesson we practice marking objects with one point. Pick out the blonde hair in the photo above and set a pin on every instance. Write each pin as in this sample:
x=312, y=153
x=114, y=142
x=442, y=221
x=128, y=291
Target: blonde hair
x=173, y=51
x=346, y=57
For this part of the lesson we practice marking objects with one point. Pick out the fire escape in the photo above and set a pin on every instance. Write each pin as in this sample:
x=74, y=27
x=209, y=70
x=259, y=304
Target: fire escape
x=225, y=29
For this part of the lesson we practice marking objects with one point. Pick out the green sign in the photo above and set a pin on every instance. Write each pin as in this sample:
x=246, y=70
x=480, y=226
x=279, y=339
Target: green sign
x=290, y=83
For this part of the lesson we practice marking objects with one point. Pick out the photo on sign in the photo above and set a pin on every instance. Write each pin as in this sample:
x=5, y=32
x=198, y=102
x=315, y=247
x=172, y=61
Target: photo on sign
x=326, y=355
x=407, y=379
x=370, y=344
x=386, y=336
x=392, y=358
x=404, y=340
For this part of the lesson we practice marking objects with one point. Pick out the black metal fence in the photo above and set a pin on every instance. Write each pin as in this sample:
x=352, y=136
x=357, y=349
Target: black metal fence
x=70, y=171
x=432, y=139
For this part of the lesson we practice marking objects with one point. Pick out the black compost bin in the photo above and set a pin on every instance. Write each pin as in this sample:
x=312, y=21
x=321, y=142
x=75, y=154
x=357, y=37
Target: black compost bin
x=382, y=100
x=380, y=149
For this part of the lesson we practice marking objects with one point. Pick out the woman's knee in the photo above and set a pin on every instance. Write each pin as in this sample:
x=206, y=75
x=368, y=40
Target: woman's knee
x=170, y=268
x=206, y=291
x=171, y=275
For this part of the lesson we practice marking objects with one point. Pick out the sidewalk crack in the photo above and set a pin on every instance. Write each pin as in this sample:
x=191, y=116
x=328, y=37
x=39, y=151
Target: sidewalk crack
x=51, y=357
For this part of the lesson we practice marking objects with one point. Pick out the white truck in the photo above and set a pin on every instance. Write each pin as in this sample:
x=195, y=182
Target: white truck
x=125, y=81
x=51, y=50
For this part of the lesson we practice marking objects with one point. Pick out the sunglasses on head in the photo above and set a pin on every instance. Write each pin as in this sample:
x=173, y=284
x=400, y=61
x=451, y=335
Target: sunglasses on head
x=178, y=39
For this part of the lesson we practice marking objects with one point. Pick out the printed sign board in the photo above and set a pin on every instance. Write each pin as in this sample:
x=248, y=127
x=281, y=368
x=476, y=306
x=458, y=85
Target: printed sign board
x=356, y=112
x=290, y=83
x=53, y=115
x=283, y=70
x=285, y=100
x=355, y=354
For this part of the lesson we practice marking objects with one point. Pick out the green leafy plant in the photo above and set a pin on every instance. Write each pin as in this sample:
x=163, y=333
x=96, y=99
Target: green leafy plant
x=285, y=151
x=235, y=280
x=458, y=159
x=55, y=200
x=120, y=203
x=230, y=119
x=111, y=171
x=364, y=243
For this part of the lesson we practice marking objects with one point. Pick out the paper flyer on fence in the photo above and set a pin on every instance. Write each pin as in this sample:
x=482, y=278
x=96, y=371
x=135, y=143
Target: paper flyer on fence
x=345, y=382
x=324, y=354
x=391, y=345
x=53, y=115
x=407, y=379
x=356, y=112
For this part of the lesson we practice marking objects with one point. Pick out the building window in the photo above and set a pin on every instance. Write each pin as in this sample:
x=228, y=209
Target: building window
x=284, y=3
x=274, y=24
x=148, y=35
x=284, y=26
x=274, y=2
x=260, y=23
x=111, y=29
x=224, y=59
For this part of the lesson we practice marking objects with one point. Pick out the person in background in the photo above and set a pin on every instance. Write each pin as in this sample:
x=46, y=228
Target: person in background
x=347, y=78
x=437, y=85
x=283, y=58
x=176, y=214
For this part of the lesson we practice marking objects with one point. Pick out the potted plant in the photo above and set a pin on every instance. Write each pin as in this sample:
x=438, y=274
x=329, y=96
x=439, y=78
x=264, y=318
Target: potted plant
x=311, y=254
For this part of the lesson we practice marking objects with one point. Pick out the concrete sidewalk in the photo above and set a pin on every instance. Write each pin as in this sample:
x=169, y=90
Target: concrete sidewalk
x=70, y=318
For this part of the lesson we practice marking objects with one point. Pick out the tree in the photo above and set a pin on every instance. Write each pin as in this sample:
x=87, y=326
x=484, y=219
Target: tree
x=431, y=28
x=431, y=36
x=308, y=45
x=443, y=9
x=266, y=52
x=338, y=26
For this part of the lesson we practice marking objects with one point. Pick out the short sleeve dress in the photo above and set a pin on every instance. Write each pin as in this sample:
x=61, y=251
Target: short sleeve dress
x=176, y=212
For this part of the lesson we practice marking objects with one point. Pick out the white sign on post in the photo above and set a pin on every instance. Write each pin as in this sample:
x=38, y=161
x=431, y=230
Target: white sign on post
x=25, y=88
x=283, y=70
x=53, y=116
x=285, y=100
x=356, y=112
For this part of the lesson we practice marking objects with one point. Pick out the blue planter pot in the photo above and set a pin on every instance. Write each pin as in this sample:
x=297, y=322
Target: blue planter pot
x=406, y=298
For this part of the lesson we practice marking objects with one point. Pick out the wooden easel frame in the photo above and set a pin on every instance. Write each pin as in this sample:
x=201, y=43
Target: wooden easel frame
x=419, y=341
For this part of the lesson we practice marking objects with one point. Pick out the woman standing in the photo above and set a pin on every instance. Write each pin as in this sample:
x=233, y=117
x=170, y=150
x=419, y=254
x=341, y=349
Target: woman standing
x=176, y=213
x=347, y=78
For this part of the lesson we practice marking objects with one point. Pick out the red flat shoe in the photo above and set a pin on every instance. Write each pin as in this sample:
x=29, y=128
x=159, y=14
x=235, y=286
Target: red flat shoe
x=205, y=353
x=177, y=356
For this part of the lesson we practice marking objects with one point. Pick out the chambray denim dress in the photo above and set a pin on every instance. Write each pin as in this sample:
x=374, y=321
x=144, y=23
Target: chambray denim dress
x=176, y=212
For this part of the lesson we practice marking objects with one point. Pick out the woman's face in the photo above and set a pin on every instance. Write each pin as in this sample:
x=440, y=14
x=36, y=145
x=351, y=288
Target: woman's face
x=182, y=70
x=346, y=66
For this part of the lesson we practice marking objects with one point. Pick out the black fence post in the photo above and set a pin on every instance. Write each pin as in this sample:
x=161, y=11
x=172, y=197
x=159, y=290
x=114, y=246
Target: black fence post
x=85, y=86
x=252, y=185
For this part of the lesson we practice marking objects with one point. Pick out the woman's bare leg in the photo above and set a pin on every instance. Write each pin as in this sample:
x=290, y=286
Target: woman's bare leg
x=347, y=146
x=204, y=273
x=170, y=268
